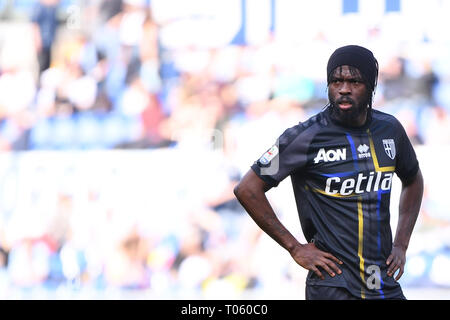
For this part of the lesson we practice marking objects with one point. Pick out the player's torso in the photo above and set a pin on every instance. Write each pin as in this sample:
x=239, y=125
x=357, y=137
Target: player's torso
x=347, y=182
x=351, y=163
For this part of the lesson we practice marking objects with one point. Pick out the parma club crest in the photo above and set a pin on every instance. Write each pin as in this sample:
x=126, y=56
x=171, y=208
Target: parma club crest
x=389, y=147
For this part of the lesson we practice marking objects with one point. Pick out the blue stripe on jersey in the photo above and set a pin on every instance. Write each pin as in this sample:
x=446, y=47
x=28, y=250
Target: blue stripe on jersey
x=352, y=146
x=340, y=175
x=380, y=192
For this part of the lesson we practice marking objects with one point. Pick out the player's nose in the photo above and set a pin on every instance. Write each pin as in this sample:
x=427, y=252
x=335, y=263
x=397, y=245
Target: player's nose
x=345, y=88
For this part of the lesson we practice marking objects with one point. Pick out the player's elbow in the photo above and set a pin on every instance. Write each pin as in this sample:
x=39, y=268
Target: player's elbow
x=251, y=186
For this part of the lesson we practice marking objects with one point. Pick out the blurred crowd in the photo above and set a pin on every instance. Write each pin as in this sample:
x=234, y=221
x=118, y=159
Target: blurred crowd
x=95, y=75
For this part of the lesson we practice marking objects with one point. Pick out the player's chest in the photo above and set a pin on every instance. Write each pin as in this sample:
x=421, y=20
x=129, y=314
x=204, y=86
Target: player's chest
x=337, y=152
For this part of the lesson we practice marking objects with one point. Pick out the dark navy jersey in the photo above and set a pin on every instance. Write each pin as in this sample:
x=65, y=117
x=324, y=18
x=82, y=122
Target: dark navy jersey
x=342, y=179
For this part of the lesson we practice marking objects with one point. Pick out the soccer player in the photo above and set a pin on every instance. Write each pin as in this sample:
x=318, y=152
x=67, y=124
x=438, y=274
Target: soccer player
x=341, y=163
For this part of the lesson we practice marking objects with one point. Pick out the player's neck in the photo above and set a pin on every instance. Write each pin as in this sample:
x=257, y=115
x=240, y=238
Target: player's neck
x=355, y=121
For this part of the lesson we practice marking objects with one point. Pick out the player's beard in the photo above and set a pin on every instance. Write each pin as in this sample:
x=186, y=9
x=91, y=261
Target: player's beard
x=350, y=116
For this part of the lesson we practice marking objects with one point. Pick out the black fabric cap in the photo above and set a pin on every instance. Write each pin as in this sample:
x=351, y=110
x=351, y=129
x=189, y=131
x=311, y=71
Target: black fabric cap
x=358, y=57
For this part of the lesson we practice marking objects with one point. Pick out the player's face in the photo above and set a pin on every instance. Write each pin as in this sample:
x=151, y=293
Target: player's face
x=349, y=96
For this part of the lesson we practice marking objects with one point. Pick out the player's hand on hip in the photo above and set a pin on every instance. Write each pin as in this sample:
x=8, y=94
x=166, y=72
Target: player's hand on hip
x=396, y=261
x=311, y=258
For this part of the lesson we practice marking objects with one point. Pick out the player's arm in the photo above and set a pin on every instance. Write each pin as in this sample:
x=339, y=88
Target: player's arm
x=409, y=207
x=251, y=194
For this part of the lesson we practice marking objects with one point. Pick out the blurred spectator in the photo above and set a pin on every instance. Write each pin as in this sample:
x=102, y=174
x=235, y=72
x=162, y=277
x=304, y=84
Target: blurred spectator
x=427, y=83
x=45, y=23
x=28, y=264
x=152, y=117
x=437, y=131
x=125, y=266
x=17, y=92
x=4, y=279
x=397, y=84
x=108, y=9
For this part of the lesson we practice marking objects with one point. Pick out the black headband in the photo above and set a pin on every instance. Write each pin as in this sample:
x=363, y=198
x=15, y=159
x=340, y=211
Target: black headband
x=358, y=57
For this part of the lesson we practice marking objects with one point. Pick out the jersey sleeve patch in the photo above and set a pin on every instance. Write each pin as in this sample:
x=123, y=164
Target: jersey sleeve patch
x=269, y=155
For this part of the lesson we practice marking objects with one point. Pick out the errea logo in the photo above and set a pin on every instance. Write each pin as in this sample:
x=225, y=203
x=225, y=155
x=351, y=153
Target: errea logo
x=363, y=151
x=331, y=155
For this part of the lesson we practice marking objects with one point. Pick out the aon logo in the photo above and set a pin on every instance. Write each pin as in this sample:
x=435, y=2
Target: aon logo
x=330, y=155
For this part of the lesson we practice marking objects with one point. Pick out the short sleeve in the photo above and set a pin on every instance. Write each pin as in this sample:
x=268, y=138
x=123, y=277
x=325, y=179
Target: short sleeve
x=407, y=165
x=288, y=154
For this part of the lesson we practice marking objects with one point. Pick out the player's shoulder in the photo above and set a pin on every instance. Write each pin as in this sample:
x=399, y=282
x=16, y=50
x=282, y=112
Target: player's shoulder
x=381, y=116
x=307, y=128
